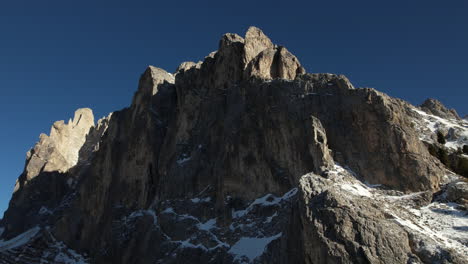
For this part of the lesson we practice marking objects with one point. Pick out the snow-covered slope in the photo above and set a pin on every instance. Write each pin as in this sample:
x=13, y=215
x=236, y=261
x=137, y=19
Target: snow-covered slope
x=428, y=125
x=437, y=224
x=37, y=245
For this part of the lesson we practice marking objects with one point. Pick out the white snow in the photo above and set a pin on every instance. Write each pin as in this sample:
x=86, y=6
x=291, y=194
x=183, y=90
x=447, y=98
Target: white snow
x=356, y=189
x=168, y=210
x=19, y=240
x=429, y=124
x=270, y=218
x=459, y=142
x=65, y=255
x=251, y=247
x=44, y=210
x=184, y=159
x=198, y=200
x=402, y=197
x=267, y=200
x=141, y=213
x=442, y=225
x=208, y=225
x=188, y=244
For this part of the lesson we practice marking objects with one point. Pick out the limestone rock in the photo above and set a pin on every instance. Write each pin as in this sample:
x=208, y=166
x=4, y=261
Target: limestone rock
x=435, y=107
x=59, y=151
x=150, y=81
x=337, y=230
x=255, y=42
x=458, y=191
x=244, y=146
x=267, y=61
x=345, y=221
x=185, y=66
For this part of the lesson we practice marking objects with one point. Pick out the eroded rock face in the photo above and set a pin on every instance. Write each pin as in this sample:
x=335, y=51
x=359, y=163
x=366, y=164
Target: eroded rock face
x=238, y=148
x=255, y=42
x=53, y=168
x=59, y=151
x=267, y=61
x=337, y=230
x=435, y=107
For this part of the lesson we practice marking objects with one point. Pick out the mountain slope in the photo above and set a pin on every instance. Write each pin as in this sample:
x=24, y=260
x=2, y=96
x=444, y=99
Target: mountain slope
x=240, y=158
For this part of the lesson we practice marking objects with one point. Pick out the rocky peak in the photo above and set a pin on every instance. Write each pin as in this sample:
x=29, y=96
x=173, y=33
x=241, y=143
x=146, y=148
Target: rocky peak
x=255, y=42
x=242, y=58
x=59, y=151
x=267, y=61
x=243, y=148
x=150, y=81
x=185, y=66
x=435, y=107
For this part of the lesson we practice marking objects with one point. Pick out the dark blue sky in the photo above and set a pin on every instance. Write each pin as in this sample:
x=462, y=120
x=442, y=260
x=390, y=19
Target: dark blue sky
x=57, y=56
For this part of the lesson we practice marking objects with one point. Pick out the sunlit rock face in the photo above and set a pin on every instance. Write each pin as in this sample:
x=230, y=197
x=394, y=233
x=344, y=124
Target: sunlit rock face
x=58, y=151
x=243, y=158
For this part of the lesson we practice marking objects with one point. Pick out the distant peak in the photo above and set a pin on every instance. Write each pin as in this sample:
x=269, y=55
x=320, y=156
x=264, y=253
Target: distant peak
x=435, y=107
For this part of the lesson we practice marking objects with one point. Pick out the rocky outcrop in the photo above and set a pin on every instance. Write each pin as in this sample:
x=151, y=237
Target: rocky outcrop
x=240, y=148
x=338, y=230
x=264, y=60
x=345, y=221
x=59, y=151
x=435, y=107
x=52, y=171
x=458, y=192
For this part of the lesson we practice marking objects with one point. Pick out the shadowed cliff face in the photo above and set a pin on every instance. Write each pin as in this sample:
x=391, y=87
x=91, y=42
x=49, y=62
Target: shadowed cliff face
x=205, y=142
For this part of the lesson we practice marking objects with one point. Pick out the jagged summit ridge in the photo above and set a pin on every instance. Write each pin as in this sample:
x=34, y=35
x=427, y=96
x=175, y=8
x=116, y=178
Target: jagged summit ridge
x=60, y=150
x=254, y=55
x=435, y=107
x=244, y=149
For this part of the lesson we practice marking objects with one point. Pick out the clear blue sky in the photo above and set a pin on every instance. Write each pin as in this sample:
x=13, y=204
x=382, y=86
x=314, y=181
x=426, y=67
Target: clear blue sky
x=57, y=56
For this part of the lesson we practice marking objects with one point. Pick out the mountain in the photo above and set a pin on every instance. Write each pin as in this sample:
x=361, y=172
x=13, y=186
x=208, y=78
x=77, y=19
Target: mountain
x=246, y=158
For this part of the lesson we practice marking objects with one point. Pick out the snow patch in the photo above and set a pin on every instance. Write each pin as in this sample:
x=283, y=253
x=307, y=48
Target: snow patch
x=183, y=159
x=356, y=189
x=251, y=247
x=66, y=255
x=188, y=244
x=168, y=210
x=208, y=225
x=44, y=210
x=141, y=213
x=429, y=124
x=270, y=218
x=19, y=240
x=445, y=224
x=198, y=200
x=267, y=200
